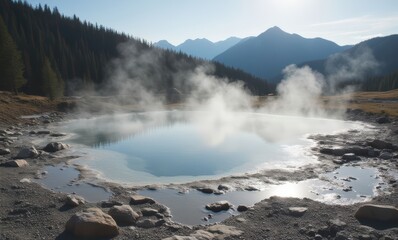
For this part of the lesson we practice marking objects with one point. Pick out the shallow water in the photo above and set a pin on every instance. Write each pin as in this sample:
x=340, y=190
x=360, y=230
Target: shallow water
x=189, y=208
x=176, y=147
x=65, y=179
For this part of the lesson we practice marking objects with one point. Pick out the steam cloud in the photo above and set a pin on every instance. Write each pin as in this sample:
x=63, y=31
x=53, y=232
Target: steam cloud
x=216, y=104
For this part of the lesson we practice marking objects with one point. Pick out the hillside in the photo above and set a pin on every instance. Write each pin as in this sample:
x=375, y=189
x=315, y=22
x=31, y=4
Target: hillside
x=79, y=53
x=384, y=50
x=201, y=48
x=268, y=53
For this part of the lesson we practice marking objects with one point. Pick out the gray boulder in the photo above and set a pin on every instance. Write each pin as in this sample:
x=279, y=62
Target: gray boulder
x=380, y=144
x=92, y=223
x=219, y=206
x=139, y=199
x=74, y=201
x=123, y=215
x=382, y=213
x=55, y=147
x=27, y=153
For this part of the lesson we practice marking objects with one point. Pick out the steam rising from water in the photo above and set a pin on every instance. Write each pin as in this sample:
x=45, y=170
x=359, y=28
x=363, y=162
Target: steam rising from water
x=136, y=76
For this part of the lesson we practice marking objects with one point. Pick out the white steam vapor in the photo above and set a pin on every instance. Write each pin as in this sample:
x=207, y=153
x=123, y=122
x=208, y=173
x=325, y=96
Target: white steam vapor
x=216, y=105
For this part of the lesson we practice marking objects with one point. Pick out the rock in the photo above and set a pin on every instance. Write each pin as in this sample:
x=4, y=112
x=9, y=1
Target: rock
x=336, y=225
x=383, y=213
x=386, y=155
x=92, y=223
x=333, y=151
x=382, y=120
x=341, y=236
x=139, y=199
x=380, y=144
x=58, y=134
x=251, y=188
x=28, y=153
x=4, y=151
x=297, y=211
x=219, y=206
x=123, y=215
x=108, y=204
x=149, y=212
x=350, y=157
x=16, y=163
x=55, y=147
x=223, y=187
x=206, y=190
x=74, y=201
x=242, y=208
x=149, y=223
x=43, y=132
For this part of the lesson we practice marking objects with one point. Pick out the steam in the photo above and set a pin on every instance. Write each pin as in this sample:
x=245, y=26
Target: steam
x=216, y=106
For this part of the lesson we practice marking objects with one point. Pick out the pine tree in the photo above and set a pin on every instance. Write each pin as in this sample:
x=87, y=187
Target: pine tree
x=52, y=84
x=11, y=66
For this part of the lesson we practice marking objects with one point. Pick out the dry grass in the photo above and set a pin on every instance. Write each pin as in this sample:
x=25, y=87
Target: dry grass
x=12, y=107
x=372, y=102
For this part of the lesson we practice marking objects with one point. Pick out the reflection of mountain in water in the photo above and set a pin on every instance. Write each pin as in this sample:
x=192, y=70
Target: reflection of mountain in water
x=103, y=131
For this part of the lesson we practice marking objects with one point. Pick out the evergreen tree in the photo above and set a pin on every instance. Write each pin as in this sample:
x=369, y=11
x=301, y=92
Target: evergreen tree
x=53, y=86
x=11, y=66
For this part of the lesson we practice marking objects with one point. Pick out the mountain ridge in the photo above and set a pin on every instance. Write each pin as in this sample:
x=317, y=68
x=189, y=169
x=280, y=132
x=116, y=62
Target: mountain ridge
x=268, y=53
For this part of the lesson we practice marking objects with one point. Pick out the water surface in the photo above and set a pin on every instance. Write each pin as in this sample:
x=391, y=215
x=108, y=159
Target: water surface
x=176, y=146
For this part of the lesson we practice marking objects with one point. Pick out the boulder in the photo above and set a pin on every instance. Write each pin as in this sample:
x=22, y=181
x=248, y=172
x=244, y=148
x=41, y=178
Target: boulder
x=206, y=190
x=27, y=153
x=55, y=147
x=149, y=212
x=242, y=208
x=383, y=213
x=223, y=187
x=149, y=223
x=16, y=163
x=92, y=223
x=43, y=132
x=380, y=144
x=4, y=151
x=139, y=199
x=297, y=211
x=74, y=201
x=382, y=120
x=123, y=215
x=219, y=206
x=350, y=157
x=386, y=155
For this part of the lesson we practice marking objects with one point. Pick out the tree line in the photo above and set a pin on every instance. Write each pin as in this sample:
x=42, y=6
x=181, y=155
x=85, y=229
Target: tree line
x=51, y=55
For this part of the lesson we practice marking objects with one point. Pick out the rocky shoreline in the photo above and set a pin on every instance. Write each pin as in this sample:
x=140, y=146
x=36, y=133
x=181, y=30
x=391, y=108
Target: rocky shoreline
x=28, y=211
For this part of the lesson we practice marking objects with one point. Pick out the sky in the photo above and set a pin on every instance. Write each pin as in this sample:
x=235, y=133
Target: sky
x=342, y=21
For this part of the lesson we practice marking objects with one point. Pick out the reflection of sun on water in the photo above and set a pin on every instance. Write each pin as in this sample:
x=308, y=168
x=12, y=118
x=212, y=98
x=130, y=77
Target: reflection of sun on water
x=287, y=190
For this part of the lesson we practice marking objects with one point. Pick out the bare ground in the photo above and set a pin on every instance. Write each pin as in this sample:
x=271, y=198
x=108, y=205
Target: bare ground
x=28, y=211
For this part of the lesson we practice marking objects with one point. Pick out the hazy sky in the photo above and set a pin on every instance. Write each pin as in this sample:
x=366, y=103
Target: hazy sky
x=342, y=21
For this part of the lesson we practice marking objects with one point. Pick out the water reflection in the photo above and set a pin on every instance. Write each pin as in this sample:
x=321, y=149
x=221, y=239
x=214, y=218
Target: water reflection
x=177, y=146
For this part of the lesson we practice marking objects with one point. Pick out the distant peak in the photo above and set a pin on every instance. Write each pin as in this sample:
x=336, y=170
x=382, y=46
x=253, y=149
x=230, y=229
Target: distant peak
x=274, y=31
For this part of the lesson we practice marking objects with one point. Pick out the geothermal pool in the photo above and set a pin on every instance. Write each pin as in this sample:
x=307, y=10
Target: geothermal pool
x=177, y=146
x=138, y=149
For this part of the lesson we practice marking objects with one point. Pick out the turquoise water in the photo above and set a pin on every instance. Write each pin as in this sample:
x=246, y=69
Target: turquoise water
x=175, y=146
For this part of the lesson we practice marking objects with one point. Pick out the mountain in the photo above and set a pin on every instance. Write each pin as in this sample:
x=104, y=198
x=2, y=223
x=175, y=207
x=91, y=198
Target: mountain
x=80, y=54
x=267, y=54
x=381, y=50
x=200, y=47
x=164, y=44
